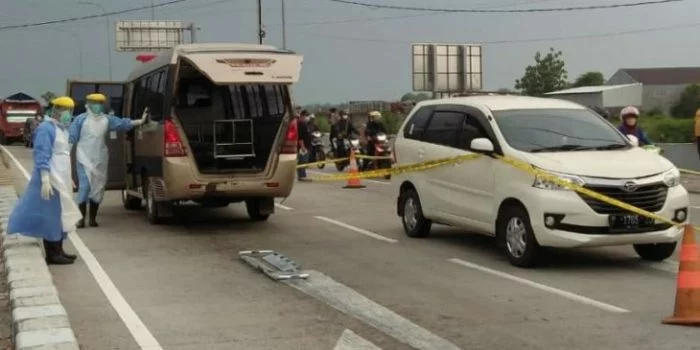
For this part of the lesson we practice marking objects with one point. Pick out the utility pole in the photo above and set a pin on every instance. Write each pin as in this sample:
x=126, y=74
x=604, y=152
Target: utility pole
x=284, y=28
x=261, y=32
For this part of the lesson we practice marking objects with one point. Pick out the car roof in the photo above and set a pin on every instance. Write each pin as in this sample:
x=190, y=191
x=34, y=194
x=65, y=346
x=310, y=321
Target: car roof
x=505, y=102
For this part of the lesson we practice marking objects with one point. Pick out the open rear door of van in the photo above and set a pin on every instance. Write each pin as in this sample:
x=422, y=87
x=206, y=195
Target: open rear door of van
x=115, y=92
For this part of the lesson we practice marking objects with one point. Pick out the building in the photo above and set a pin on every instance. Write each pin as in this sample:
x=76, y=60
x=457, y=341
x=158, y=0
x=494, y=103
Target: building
x=611, y=98
x=662, y=87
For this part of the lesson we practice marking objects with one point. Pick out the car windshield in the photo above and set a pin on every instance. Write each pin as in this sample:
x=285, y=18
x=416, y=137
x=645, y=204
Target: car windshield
x=558, y=130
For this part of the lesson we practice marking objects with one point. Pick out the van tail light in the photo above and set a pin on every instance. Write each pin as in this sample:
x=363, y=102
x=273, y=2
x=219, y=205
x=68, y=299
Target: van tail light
x=173, y=143
x=291, y=138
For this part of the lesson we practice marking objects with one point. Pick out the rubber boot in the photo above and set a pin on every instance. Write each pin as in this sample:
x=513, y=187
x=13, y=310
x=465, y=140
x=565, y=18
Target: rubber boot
x=63, y=253
x=94, y=207
x=83, y=209
x=53, y=256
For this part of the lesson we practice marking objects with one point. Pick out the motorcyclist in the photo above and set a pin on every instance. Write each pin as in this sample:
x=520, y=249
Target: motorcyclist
x=374, y=127
x=343, y=129
x=629, y=118
x=333, y=119
x=311, y=123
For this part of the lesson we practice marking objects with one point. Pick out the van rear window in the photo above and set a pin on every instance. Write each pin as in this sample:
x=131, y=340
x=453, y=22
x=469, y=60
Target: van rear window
x=258, y=100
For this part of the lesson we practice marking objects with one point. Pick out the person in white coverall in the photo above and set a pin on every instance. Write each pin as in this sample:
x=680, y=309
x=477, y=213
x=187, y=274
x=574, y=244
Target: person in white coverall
x=46, y=209
x=89, y=133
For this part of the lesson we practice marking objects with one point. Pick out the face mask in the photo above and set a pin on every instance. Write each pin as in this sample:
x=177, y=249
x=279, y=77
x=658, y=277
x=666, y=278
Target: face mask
x=345, y=116
x=65, y=118
x=95, y=108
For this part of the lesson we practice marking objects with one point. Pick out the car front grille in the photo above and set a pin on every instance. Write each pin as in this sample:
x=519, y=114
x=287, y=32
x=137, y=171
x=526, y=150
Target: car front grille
x=648, y=197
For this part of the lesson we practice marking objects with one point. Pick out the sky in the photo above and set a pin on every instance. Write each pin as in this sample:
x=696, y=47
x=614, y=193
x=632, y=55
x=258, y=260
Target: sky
x=355, y=53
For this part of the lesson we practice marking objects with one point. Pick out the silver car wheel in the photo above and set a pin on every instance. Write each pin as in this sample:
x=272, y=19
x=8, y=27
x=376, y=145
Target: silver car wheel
x=516, y=234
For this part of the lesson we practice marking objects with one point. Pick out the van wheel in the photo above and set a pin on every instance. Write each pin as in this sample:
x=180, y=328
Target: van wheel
x=130, y=202
x=259, y=208
x=655, y=252
x=152, y=207
x=414, y=223
x=515, y=229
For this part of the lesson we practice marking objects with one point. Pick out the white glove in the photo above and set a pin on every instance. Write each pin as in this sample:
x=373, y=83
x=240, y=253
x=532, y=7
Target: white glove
x=144, y=118
x=46, y=189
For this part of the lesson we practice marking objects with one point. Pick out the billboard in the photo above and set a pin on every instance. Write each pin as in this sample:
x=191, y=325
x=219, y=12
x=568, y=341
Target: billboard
x=151, y=35
x=446, y=67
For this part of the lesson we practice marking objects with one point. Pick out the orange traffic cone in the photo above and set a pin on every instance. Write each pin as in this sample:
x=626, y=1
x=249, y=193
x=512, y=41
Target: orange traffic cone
x=687, y=310
x=354, y=180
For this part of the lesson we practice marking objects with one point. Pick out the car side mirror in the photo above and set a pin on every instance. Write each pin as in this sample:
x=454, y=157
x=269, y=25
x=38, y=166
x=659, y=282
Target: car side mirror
x=481, y=145
x=634, y=140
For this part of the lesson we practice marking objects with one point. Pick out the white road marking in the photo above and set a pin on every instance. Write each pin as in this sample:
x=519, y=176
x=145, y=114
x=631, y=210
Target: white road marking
x=349, y=340
x=356, y=229
x=368, y=180
x=560, y=292
x=137, y=328
x=352, y=303
x=284, y=207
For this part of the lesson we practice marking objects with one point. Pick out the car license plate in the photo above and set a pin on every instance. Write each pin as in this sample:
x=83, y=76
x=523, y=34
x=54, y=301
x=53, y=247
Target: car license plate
x=629, y=222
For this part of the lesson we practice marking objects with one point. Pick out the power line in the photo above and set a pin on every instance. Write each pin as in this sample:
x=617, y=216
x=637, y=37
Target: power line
x=82, y=18
x=552, y=9
x=500, y=42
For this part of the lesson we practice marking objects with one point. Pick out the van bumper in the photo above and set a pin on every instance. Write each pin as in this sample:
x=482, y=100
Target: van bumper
x=232, y=187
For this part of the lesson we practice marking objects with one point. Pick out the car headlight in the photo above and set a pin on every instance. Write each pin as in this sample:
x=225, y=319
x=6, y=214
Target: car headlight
x=672, y=177
x=545, y=183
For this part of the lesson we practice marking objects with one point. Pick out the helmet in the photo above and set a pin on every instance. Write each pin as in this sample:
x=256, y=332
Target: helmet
x=312, y=116
x=63, y=102
x=629, y=111
x=375, y=115
x=96, y=97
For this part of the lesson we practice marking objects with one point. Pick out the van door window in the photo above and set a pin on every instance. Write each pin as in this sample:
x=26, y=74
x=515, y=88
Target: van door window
x=155, y=106
x=443, y=128
x=251, y=101
x=416, y=125
x=471, y=129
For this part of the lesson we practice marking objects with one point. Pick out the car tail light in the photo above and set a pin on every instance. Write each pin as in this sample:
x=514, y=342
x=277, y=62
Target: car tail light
x=173, y=143
x=291, y=138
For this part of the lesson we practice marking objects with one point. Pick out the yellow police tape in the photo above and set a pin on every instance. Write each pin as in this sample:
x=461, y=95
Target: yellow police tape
x=336, y=160
x=508, y=160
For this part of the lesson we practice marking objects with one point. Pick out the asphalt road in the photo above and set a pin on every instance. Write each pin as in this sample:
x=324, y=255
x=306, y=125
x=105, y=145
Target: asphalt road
x=182, y=286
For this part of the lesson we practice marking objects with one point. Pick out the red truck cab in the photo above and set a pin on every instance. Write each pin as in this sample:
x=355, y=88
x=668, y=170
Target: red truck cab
x=14, y=112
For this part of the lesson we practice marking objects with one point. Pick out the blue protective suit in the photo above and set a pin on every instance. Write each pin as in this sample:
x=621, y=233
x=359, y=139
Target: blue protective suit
x=47, y=219
x=636, y=131
x=89, y=134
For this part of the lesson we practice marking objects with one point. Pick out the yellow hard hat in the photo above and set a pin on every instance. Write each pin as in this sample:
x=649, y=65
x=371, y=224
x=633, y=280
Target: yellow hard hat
x=63, y=101
x=96, y=97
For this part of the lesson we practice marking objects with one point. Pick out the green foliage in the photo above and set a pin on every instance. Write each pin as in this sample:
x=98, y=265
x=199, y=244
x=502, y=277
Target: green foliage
x=392, y=122
x=48, y=96
x=323, y=123
x=662, y=129
x=415, y=97
x=546, y=75
x=589, y=79
x=688, y=104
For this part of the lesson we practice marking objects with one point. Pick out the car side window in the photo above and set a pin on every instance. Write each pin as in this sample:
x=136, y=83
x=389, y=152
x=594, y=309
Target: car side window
x=416, y=125
x=471, y=129
x=443, y=128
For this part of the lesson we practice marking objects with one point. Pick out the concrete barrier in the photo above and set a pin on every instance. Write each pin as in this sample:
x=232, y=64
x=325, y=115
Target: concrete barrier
x=39, y=320
x=683, y=155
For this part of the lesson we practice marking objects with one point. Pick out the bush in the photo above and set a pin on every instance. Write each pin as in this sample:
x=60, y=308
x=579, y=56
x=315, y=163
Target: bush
x=392, y=122
x=662, y=129
x=323, y=123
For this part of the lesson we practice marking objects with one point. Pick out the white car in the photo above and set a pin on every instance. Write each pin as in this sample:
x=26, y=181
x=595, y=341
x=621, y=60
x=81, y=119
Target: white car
x=525, y=212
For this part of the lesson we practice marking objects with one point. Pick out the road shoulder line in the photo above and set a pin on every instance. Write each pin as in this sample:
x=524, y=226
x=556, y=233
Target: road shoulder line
x=356, y=229
x=542, y=287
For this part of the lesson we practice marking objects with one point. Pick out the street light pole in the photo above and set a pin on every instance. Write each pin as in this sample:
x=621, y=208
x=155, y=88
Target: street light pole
x=284, y=28
x=261, y=33
x=109, y=34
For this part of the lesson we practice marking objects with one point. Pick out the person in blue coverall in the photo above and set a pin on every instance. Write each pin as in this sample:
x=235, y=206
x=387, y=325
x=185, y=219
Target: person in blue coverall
x=89, y=133
x=46, y=209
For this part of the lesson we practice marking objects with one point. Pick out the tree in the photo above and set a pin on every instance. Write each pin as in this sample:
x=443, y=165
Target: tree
x=589, y=79
x=415, y=97
x=546, y=75
x=688, y=103
x=48, y=96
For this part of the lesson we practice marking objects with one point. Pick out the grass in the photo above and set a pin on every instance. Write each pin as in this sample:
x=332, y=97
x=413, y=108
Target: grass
x=662, y=129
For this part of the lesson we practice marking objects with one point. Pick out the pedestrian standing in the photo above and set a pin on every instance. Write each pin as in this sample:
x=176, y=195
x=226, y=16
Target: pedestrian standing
x=89, y=133
x=46, y=209
x=304, y=145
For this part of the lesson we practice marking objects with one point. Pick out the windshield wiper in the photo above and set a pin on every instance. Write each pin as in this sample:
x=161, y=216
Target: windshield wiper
x=612, y=146
x=560, y=148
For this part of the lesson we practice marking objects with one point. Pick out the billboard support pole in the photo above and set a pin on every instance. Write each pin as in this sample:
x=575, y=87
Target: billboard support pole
x=284, y=28
x=261, y=33
x=193, y=29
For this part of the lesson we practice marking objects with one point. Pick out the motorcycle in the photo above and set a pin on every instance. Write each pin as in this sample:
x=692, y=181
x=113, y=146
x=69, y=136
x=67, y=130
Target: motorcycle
x=317, y=148
x=382, y=148
x=651, y=148
x=347, y=145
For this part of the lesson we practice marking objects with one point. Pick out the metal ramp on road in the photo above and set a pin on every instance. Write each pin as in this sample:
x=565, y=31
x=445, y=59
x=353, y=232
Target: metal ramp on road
x=273, y=264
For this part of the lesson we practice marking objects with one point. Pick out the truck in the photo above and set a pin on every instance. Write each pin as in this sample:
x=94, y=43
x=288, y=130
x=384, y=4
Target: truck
x=14, y=112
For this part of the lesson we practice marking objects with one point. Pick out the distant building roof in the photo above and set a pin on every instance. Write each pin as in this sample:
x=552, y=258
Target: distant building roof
x=664, y=75
x=590, y=89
